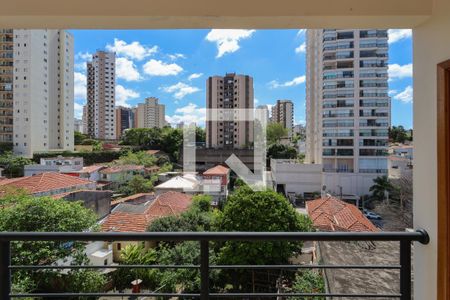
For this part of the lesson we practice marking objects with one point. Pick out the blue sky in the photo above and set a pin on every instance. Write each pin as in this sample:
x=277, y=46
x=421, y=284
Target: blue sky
x=174, y=64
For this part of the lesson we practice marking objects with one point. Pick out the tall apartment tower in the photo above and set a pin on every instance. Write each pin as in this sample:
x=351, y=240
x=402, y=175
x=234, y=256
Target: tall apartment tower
x=124, y=120
x=43, y=91
x=348, y=107
x=101, y=84
x=150, y=114
x=231, y=91
x=6, y=85
x=283, y=113
x=84, y=119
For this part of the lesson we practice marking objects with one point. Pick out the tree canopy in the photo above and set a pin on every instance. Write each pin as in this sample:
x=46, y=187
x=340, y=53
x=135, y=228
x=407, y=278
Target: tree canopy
x=27, y=213
x=13, y=164
x=79, y=137
x=167, y=139
x=275, y=132
x=247, y=210
x=279, y=151
x=398, y=134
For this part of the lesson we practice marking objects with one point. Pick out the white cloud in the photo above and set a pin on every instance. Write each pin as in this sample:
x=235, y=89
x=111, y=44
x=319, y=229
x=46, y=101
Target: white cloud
x=397, y=71
x=227, y=40
x=123, y=95
x=79, y=89
x=126, y=69
x=159, y=68
x=176, y=56
x=296, y=81
x=195, y=76
x=392, y=93
x=406, y=96
x=180, y=90
x=190, y=113
x=83, y=56
x=78, y=110
x=301, y=48
x=301, y=32
x=396, y=35
x=80, y=60
x=133, y=50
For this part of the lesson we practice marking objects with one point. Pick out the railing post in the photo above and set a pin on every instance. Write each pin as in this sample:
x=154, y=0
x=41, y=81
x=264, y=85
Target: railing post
x=204, y=270
x=405, y=269
x=5, y=273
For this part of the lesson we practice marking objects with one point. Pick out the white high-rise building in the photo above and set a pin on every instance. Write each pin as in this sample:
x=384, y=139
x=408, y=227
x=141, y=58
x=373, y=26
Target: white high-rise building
x=231, y=91
x=348, y=107
x=150, y=114
x=43, y=91
x=101, y=85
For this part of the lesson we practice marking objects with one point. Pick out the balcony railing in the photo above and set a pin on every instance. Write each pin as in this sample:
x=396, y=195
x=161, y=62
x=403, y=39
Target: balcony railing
x=204, y=238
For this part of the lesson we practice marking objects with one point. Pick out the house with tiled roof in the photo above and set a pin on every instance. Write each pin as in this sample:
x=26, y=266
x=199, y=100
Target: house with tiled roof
x=132, y=217
x=90, y=172
x=215, y=182
x=121, y=173
x=59, y=164
x=47, y=184
x=331, y=214
x=187, y=183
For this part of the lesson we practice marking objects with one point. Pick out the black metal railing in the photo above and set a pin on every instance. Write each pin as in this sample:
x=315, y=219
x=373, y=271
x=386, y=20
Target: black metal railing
x=404, y=238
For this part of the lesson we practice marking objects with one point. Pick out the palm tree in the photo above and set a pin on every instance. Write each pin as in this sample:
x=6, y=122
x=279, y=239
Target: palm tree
x=380, y=187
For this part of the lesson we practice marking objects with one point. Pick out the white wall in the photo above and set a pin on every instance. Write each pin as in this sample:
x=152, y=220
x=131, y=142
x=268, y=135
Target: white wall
x=431, y=46
x=352, y=183
x=298, y=178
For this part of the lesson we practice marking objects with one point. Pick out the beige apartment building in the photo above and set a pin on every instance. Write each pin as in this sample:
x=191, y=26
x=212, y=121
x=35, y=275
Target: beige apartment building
x=348, y=107
x=101, y=84
x=150, y=114
x=283, y=113
x=6, y=85
x=231, y=91
x=43, y=91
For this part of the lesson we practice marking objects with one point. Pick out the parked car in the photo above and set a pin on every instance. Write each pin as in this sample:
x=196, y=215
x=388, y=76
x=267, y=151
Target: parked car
x=371, y=215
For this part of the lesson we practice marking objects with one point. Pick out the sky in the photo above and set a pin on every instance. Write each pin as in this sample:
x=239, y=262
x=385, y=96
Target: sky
x=173, y=65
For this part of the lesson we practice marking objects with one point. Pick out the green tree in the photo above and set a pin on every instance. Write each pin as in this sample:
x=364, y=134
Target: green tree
x=136, y=254
x=44, y=214
x=247, y=210
x=199, y=217
x=279, y=151
x=137, y=158
x=137, y=184
x=266, y=211
x=200, y=135
x=381, y=186
x=398, y=134
x=13, y=164
x=308, y=281
x=79, y=137
x=275, y=132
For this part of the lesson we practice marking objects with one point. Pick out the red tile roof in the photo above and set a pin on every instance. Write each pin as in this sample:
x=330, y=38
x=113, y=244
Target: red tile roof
x=91, y=169
x=332, y=214
x=167, y=204
x=45, y=182
x=130, y=198
x=217, y=170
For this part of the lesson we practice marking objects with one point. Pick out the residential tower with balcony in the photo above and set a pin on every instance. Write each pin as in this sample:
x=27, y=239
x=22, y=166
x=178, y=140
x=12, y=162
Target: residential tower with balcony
x=348, y=106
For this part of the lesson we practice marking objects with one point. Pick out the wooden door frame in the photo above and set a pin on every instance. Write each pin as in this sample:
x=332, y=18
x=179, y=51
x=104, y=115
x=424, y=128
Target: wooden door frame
x=443, y=152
